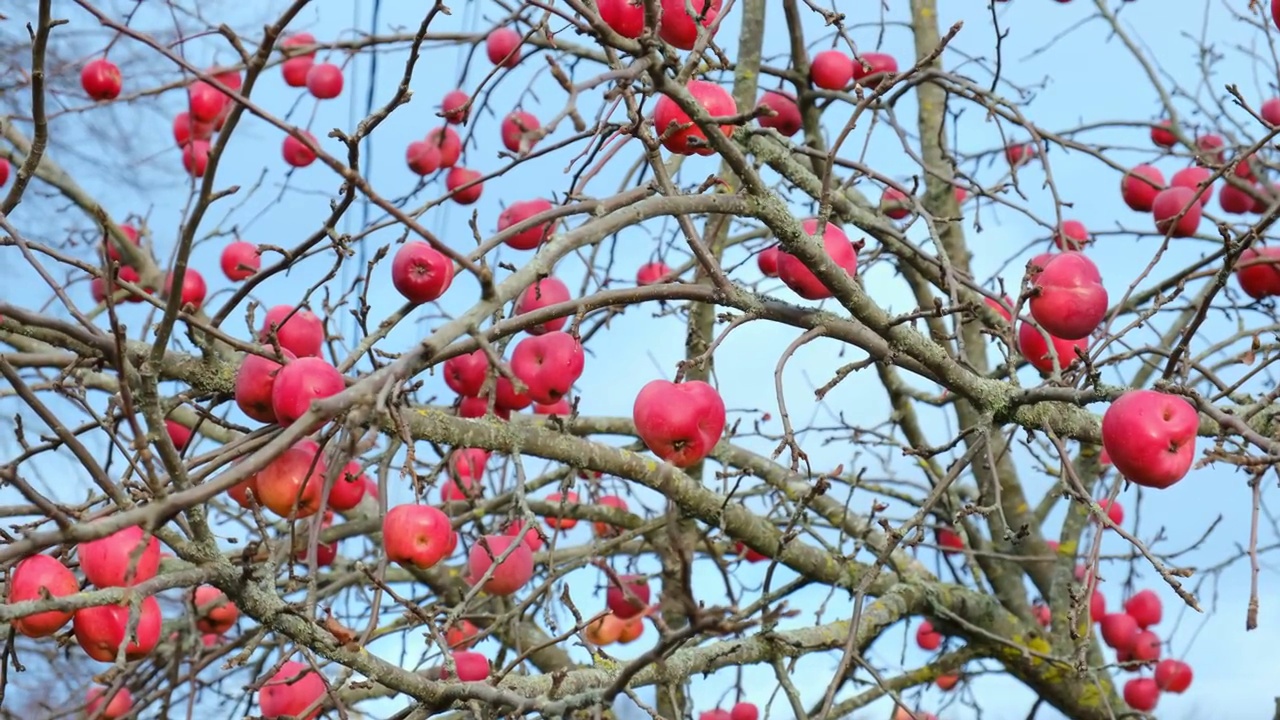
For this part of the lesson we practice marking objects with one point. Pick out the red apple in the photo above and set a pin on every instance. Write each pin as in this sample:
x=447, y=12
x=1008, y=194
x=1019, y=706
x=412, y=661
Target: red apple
x=503, y=47
x=255, y=381
x=240, y=260
x=519, y=131
x=927, y=638
x=751, y=555
x=511, y=572
x=113, y=252
x=464, y=185
x=1140, y=186
x=290, y=691
x=651, y=273
x=30, y=580
x=1071, y=236
x=687, y=138
x=324, y=80
x=1145, y=608
x=178, y=433
x=1258, y=272
x=296, y=152
x=300, y=332
x=508, y=398
x=1019, y=154
x=1209, y=148
x=476, y=407
x=895, y=203
x=449, y=144
x=1004, y=308
x=831, y=70
x=101, y=703
x=1173, y=676
x=1119, y=630
x=1195, y=178
x=461, y=635
x=465, y=374
x=548, y=365
x=1235, y=201
x=292, y=482
x=422, y=157
x=1146, y=647
x=1270, y=111
x=4, y=171
x=420, y=272
x=1114, y=510
x=560, y=407
x=679, y=26
x=716, y=714
x=100, y=630
x=628, y=596
x=298, y=40
x=1068, y=298
x=455, y=107
x=872, y=67
x=1142, y=694
x=194, y=288
x=543, y=293
x=349, y=487
x=744, y=711
x=603, y=529
x=1042, y=614
x=471, y=666
x=1151, y=437
x=1097, y=606
x=626, y=17
x=299, y=383
x=518, y=212
x=296, y=69
x=1160, y=134
x=115, y=560
x=195, y=157
x=680, y=423
x=562, y=500
x=1032, y=345
x=215, y=612
x=185, y=129
x=416, y=536
x=205, y=102
x=949, y=541
x=530, y=536
x=101, y=79
x=767, y=261
x=802, y=281
x=786, y=119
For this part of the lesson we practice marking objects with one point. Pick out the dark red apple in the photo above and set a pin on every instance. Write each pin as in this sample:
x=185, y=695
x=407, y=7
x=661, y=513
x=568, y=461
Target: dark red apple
x=1161, y=135
x=680, y=423
x=465, y=374
x=767, y=261
x=194, y=288
x=178, y=433
x=895, y=203
x=686, y=138
x=349, y=487
x=628, y=596
x=872, y=67
x=1151, y=437
x=1258, y=272
x=416, y=536
x=625, y=17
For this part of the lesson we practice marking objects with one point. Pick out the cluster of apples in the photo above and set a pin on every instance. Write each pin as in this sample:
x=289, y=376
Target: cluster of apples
x=1137, y=647
x=193, y=292
x=740, y=711
x=627, y=599
x=835, y=70
x=547, y=364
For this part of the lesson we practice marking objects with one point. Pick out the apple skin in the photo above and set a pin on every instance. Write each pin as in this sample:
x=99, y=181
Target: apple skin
x=548, y=365
x=767, y=261
x=1043, y=615
x=1114, y=510
x=1270, y=111
x=519, y=131
x=787, y=120
x=300, y=332
x=178, y=433
x=530, y=536
x=295, y=477
x=949, y=540
x=562, y=499
x=1194, y=178
x=462, y=635
x=1033, y=347
x=793, y=273
x=471, y=666
x=101, y=79
x=1142, y=694
x=349, y=488
x=1097, y=606
x=1171, y=201
x=240, y=260
x=691, y=140
x=605, y=530
x=4, y=171
x=1210, y=149
x=1019, y=154
x=465, y=374
x=454, y=107
x=29, y=579
x=324, y=81
x=296, y=152
x=503, y=47
x=512, y=572
x=108, y=562
x=296, y=69
x=948, y=681
x=1258, y=272
x=508, y=399
x=100, y=630
x=1235, y=201
x=680, y=423
x=679, y=28
x=1151, y=437
x=300, y=383
x=1146, y=647
x=195, y=157
x=1069, y=300
x=546, y=291
x=1145, y=608
x=749, y=554
x=831, y=70
x=1072, y=235
x=1119, y=630
x=416, y=536
x=421, y=273
x=1173, y=676
x=651, y=273
x=1161, y=136
x=290, y=691
x=927, y=638
x=205, y=102
x=560, y=407
x=895, y=204
x=877, y=67
x=625, y=17
x=716, y=714
x=744, y=711
x=449, y=144
x=255, y=380
x=457, y=178
x=517, y=213
x=99, y=706
x=617, y=600
x=1001, y=306
x=422, y=157
x=215, y=613
x=468, y=463
x=130, y=234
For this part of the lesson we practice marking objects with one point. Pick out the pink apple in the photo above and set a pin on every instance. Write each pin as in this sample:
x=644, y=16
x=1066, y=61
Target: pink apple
x=178, y=433
x=511, y=572
x=1119, y=630
x=422, y=157
x=455, y=107
x=464, y=185
x=1068, y=298
x=1032, y=345
x=628, y=596
x=324, y=81
x=194, y=288
x=471, y=666
x=1151, y=437
x=928, y=638
x=651, y=273
x=1162, y=136
x=1195, y=178
x=255, y=380
x=895, y=203
x=299, y=383
x=680, y=423
x=1146, y=647
x=195, y=157
x=802, y=281
x=1258, y=272
x=503, y=47
x=205, y=102
x=297, y=330
x=520, y=131
x=1113, y=509
x=1145, y=608
x=296, y=69
x=240, y=260
x=605, y=530
x=290, y=691
x=1173, y=676
x=349, y=488
x=298, y=153
x=872, y=67
x=529, y=534
x=767, y=261
x=687, y=138
x=117, y=561
x=831, y=70
x=449, y=144
x=548, y=364
x=1072, y=235
x=416, y=536
x=100, y=703
x=465, y=374
x=543, y=293
x=625, y=17
x=744, y=711
x=1270, y=111
x=30, y=580
x=562, y=500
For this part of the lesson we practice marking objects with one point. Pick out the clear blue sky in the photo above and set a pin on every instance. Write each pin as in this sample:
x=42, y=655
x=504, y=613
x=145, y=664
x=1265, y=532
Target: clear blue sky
x=1082, y=75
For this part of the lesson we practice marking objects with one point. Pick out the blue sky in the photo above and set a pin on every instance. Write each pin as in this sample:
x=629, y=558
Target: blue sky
x=1080, y=75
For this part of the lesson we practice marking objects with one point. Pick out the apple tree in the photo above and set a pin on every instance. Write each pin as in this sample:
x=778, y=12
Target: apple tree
x=730, y=358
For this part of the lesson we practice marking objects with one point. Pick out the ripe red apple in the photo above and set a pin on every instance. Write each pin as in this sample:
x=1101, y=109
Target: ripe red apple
x=185, y=129
x=1160, y=134
x=290, y=43
x=1033, y=347
x=625, y=17
x=1145, y=608
x=240, y=260
x=465, y=374
x=1071, y=236
x=113, y=252
x=1097, y=606
x=1142, y=694
x=1119, y=630
x=295, y=70
x=511, y=573
x=503, y=47
x=111, y=562
x=680, y=423
x=300, y=332
x=471, y=666
x=1169, y=203
x=292, y=482
x=178, y=433
x=4, y=171
x=1146, y=647
x=449, y=144
x=767, y=261
x=744, y=711
x=628, y=596
x=1270, y=111
x=519, y=131
x=530, y=536
x=422, y=157
x=873, y=68
x=195, y=157
x=603, y=529
x=651, y=273
x=1043, y=615
x=786, y=119
x=31, y=578
x=324, y=81
x=461, y=635
x=215, y=612
x=749, y=554
x=255, y=381
x=420, y=272
x=927, y=638
x=290, y=691
x=1258, y=272
x=477, y=407
x=1151, y=437
x=101, y=79
x=801, y=280
x=457, y=178
x=204, y=101
x=455, y=107
x=508, y=398
x=102, y=704
x=1001, y=307
x=1114, y=510
x=1140, y=186
x=831, y=70
x=548, y=364
x=687, y=138
x=949, y=541
x=543, y=293
x=518, y=212
x=679, y=26
x=194, y=288
x=716, y=714
x=895, y=203
x=1019, y=154
x=1210, y=149
x=416, y=536
x=1068, y=298
x=298, y=153
x=468, y=463
x=100, y=630
x=299, y=383
x=559, y=500
x=1235, y=201
x=1194, y=178
x=1173, y=675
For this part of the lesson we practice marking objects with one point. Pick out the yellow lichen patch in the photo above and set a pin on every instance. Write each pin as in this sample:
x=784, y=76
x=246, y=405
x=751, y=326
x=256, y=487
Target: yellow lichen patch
x=1068, y=548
